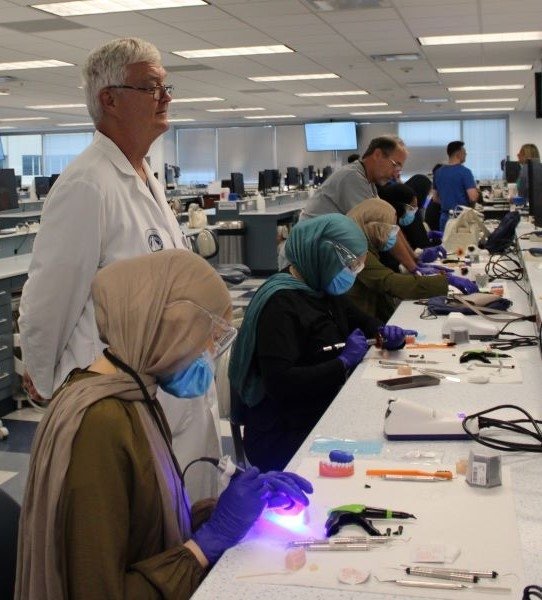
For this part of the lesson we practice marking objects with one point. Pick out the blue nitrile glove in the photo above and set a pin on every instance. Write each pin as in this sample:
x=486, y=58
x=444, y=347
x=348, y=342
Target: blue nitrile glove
x=238, y=507
x=286, y=489
x=394, y=337
x=432, y=253
x=355, y=349
x=463, y=285
x=423, y=269
x=435, y=236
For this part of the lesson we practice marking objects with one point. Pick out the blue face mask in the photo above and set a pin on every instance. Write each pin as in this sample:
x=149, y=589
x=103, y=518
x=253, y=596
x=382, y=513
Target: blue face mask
x=408, y=217
x=391, y=241
x=194, y=381
x=341, y=283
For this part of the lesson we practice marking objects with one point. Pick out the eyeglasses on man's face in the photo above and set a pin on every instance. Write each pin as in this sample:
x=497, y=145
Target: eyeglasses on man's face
x=157, y=91
x=397, y=166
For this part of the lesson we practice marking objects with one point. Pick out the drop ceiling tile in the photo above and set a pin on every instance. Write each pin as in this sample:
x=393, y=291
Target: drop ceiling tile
x=269, y=8
x=360, y=15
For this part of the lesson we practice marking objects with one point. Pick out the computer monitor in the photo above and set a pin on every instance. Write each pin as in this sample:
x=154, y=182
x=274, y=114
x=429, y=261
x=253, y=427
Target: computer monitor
x=169, y=176
x=511, y=170
x=292, y=176
x=311, y=171
x=534, y=185
x=226, y=183
x=8, y=190
x=238, y=184
x=53, y=178
x=42, y=186
x=18, y=181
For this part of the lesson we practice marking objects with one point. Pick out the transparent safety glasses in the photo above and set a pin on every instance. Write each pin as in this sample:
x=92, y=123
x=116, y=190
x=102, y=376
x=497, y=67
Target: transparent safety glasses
x=347, y=257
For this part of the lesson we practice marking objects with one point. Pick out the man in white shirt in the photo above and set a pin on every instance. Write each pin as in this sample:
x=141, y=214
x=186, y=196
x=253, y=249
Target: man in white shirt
x=105, y=206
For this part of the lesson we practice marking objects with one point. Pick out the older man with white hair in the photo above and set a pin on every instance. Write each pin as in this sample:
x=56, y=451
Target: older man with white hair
x=105, y=206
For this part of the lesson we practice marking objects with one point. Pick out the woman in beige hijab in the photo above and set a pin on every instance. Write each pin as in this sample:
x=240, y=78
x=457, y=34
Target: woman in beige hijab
x=377, y=288
x=105, y=514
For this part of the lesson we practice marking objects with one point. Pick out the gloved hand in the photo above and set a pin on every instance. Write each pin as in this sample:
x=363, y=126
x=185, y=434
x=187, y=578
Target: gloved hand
x=432, y=253
x=394, y=337
x=354, y=351
x=463, y=285
x=435, y=236
x=238, y=507
x=286, y=489
x=423, y=269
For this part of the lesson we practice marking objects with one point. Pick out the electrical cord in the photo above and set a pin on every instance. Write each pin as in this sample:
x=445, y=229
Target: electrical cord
x=496, y=268
x=513, y=425
x=532, y=591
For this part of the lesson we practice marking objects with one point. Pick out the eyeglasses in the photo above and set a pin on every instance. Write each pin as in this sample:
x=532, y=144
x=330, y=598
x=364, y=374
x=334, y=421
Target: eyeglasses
x=348, y=259
x=221, y=333
x=397, y=166
x=157, y=91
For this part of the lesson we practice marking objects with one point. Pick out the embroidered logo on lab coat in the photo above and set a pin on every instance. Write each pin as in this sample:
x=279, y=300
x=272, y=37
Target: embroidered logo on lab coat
x=154, y=240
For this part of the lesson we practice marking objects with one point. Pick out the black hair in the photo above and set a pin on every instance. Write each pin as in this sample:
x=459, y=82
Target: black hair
x=453, y=147
x=397, y=194
x=352, y=158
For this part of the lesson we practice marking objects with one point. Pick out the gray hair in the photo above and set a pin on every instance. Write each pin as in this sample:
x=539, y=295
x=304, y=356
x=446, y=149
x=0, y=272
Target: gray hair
x=107, y=64
x=386, y=143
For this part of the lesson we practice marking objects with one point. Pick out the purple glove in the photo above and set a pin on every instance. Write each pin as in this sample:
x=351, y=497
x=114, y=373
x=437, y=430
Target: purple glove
x=355, y=349
x=431, y=254
x=394, y=337
x=463, y=285
x=238, y=507
x=423, y=269
x=286, y=489
x=435, y=236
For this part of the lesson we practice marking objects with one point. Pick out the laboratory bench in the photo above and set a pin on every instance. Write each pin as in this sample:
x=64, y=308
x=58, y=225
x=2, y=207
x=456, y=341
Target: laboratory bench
x=261, y=222
x=358, y=413
x=11, y=218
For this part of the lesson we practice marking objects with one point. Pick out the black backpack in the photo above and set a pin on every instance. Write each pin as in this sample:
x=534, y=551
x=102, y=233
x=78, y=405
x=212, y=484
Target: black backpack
x=503, y=237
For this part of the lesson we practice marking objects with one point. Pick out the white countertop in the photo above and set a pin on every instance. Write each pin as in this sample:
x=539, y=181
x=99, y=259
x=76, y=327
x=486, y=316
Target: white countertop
x=20, y=214
x=14, y=265
x=358, y=413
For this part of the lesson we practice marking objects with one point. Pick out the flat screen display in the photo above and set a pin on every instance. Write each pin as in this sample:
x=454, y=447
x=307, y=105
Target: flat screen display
x=538, y=94
x=331, y=136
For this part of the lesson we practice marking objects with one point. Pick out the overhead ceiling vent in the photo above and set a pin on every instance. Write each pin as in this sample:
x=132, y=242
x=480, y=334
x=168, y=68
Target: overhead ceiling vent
x=305, y=105
x=185, y=68
x=42, y=25
x=259, y=91
x=330, y=5
x=422, y=83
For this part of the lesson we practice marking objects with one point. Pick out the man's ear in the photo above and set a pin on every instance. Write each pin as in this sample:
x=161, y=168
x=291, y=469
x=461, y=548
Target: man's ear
x=108, y=100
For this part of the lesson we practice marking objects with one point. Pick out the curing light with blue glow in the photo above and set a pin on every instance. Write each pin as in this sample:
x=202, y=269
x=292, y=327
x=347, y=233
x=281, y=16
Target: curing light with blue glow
x=295, y=519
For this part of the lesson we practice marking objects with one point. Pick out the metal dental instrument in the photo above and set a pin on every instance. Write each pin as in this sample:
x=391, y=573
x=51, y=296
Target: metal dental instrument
x=480, y=574
x=338, y=547
x=409, y=361
x=423, y=572
x=441, y=585
x=341, y=541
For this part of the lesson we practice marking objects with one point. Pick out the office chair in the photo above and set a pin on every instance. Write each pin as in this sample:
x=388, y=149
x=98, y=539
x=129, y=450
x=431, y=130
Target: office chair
x=9, y=525
x=224, y=393
x=206, y=244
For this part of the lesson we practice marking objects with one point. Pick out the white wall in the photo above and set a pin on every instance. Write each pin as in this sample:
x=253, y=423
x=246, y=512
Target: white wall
x=163, y=151
x=524, y=128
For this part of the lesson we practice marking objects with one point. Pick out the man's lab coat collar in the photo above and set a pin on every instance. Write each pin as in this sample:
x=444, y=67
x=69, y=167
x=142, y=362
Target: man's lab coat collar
x=114, y=153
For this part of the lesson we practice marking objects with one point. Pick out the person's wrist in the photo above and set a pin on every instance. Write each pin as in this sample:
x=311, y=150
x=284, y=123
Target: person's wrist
x=197, y=552
x=346, y=363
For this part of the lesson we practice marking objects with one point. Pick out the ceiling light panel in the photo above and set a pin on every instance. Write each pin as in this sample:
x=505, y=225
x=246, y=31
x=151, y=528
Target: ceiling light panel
x=481, y=38
x=270, y=117
x=295, y=77
x=247, y=109
x=202, y=99
x=48, y=106
x=33, y=64
x=485, y=69
x=379, y=112
x=478, y=100
x=317, y=94
x=240, y=51
x=495, y=108
x=181, y=120
x=23, y=119
x=88, y=124
x=352, y=105
x=485, y=88
x=432, y=100
x=94, y=7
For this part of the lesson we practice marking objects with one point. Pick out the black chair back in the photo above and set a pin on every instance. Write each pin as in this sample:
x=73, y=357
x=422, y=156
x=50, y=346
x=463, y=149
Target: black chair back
x=9, y=528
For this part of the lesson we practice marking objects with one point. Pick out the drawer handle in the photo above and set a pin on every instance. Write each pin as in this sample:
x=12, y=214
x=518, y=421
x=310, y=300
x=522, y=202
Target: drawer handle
x=2, y=348
x=4, y=375
x=2, y=292
x=2, y=321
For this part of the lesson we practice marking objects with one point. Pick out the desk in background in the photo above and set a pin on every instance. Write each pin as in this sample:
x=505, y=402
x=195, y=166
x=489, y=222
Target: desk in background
x=10, y=218
x=358, y=413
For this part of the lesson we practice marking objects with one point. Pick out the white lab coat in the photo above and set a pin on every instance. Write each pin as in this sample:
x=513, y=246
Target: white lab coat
x=98, y=211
